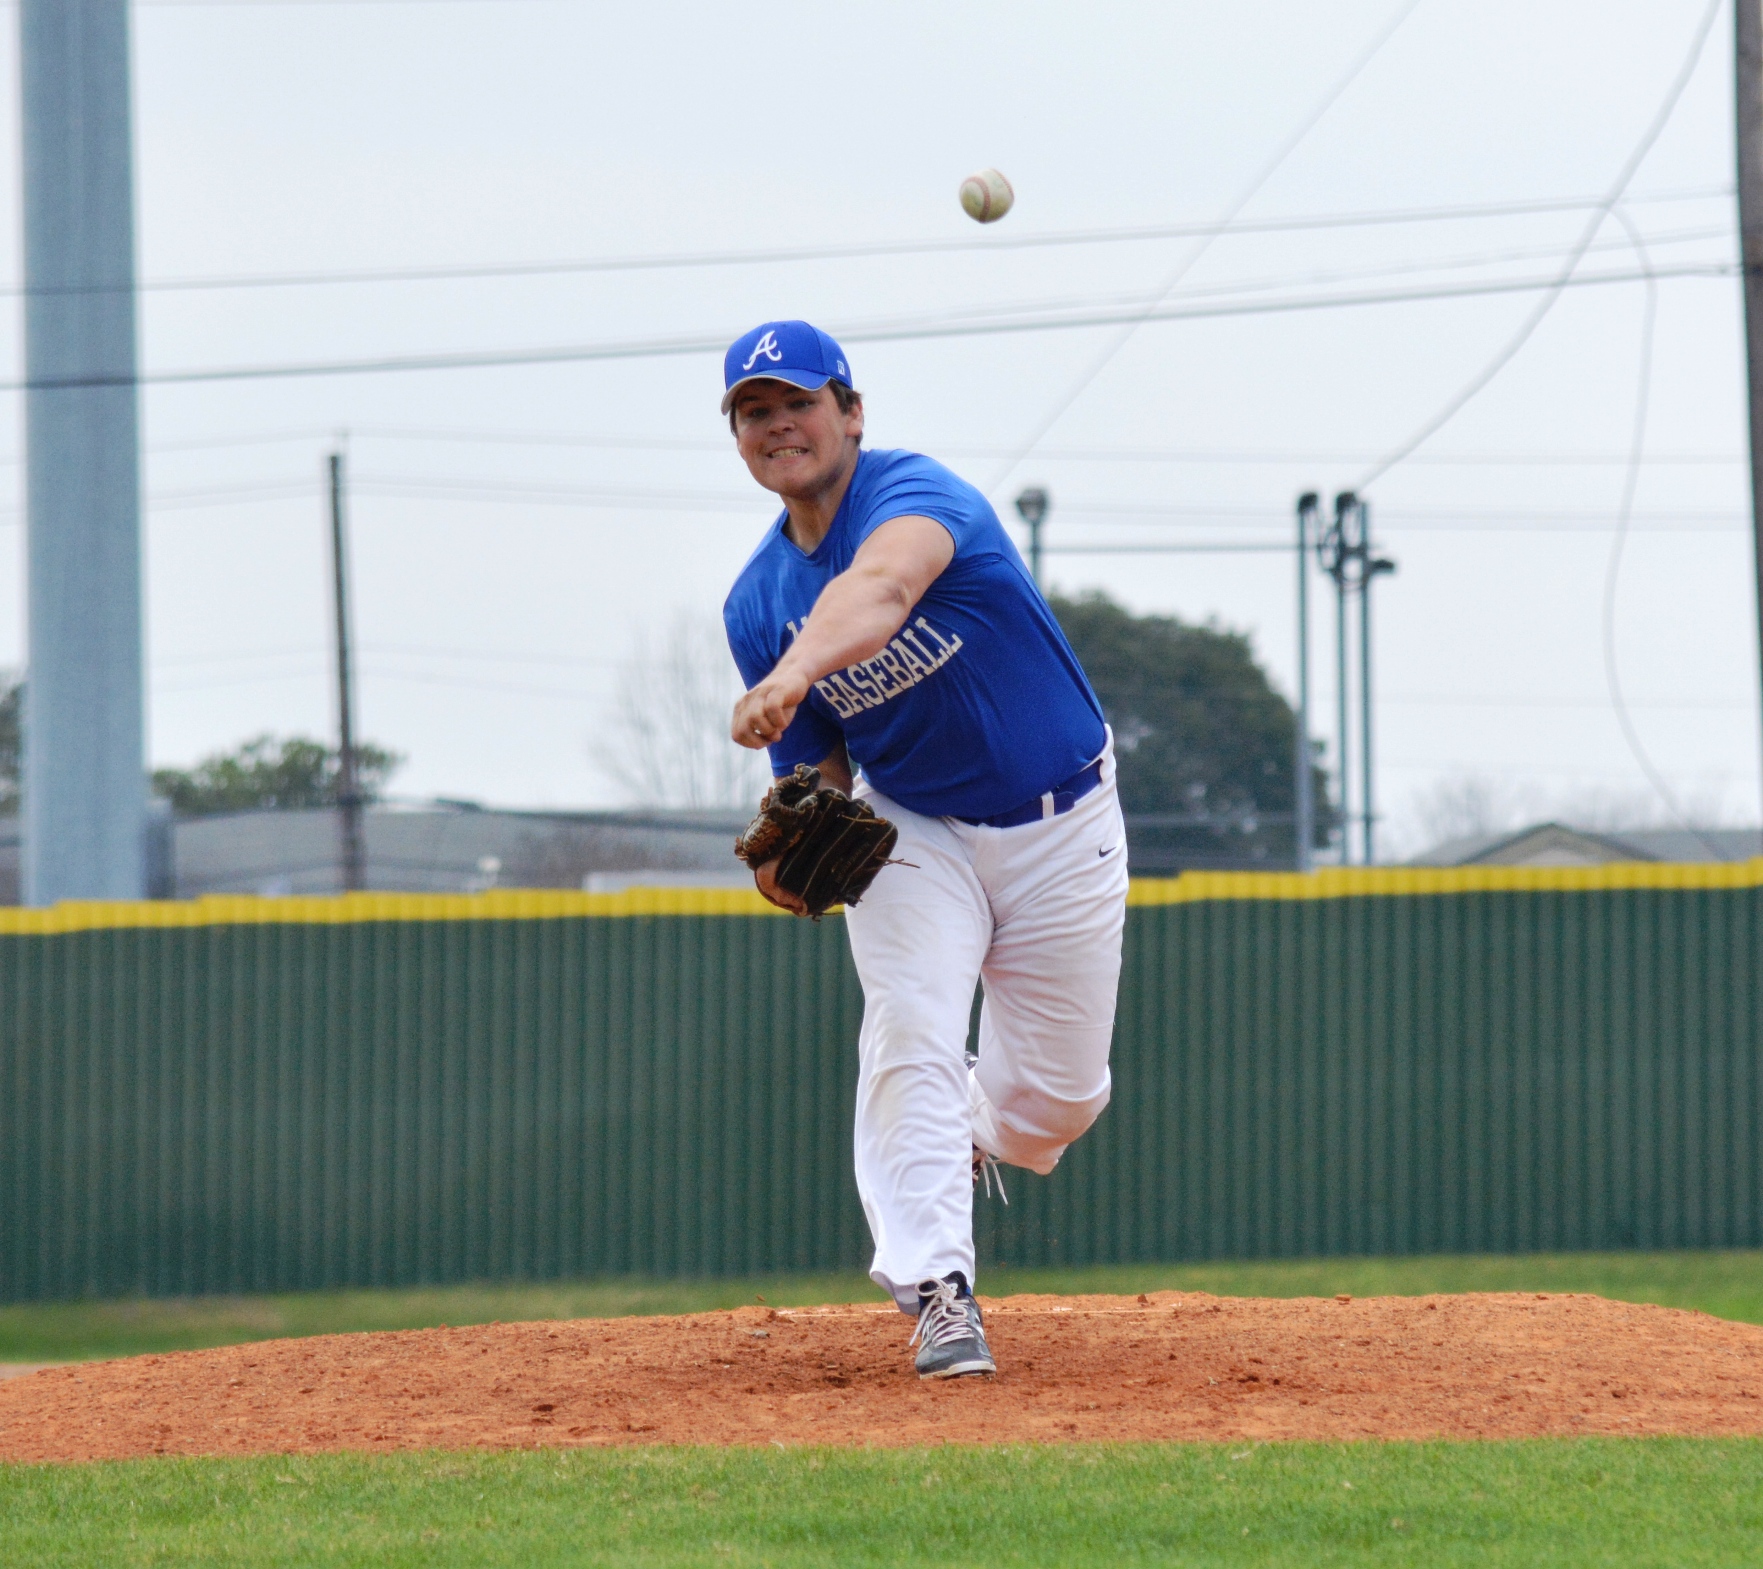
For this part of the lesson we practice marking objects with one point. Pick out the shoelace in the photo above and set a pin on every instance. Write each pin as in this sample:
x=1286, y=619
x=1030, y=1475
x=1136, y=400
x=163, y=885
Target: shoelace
x=987, y=1169
x=941, y=1317
x=985, y=1166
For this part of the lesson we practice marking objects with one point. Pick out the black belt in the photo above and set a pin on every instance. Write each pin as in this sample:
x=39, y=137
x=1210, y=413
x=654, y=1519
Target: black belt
x=1055, y=803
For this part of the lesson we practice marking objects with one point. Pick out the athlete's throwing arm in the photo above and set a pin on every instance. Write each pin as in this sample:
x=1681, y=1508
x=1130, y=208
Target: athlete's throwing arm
x=890, y=635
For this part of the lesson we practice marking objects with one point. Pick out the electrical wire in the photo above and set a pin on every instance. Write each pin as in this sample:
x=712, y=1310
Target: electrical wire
x=1624, y=517
x=1131, y=325
x=1313, y=277
x=245, y=5
x=880, y=332
x=472, y=683
x=721, y=444
x=1544, y=305
x=1211, y=548
x=1596, y=704
x=989, y=242
x=1078, y=513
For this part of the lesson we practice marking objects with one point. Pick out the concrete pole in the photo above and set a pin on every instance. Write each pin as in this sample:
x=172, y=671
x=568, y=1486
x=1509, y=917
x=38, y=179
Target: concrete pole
x=84, y=726
x=1748, y=127
x=354, y=850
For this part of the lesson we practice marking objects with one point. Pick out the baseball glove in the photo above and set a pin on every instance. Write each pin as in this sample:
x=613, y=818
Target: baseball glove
x=828, y=847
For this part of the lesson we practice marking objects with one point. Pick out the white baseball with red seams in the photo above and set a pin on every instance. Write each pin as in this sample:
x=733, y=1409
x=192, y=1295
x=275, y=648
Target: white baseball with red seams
x=1034, y=912
x=986, y=196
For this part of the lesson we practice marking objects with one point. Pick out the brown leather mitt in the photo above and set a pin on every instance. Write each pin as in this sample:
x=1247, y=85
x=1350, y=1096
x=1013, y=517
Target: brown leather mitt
x=828, y=847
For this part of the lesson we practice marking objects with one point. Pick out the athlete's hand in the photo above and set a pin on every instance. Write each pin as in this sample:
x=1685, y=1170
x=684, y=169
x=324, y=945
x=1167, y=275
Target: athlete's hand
x=762, y=716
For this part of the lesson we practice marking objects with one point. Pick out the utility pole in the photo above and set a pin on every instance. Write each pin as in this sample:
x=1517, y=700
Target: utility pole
x=1370, y=569
x=1305, y=782
x=1031, y=507
x=85, y=789
x=1345, y=553
x=348, y=785
x=1748, y=117
x=1336, y=548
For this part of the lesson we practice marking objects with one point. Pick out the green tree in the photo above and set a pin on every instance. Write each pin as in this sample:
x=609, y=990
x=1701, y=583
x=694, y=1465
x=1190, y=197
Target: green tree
x=268, y=771
x=1199, y=731
x=11, y=742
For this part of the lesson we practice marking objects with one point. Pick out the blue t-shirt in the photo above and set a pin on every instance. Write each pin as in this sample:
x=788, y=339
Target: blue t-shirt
x=977, y=705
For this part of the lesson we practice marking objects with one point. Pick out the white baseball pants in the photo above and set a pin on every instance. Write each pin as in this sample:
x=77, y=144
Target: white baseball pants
x=1037, y=913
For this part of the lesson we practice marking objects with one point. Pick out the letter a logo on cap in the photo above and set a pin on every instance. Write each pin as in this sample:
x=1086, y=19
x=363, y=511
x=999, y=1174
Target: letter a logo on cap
x=766, y=346
x=790, y=351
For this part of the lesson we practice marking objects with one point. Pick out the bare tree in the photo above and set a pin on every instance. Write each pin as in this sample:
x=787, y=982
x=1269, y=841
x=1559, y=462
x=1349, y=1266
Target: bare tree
x=667, y=740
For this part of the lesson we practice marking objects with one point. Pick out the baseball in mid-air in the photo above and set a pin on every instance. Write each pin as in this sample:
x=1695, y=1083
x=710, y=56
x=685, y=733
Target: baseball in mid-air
x=986, y=196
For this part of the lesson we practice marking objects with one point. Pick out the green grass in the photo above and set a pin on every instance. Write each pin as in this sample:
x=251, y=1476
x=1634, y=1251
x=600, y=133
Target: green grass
x=1728, y=1284
x=1628, y=1502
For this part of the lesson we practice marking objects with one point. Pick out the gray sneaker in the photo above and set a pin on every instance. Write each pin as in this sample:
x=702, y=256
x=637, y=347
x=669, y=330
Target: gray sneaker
x=951, y=1337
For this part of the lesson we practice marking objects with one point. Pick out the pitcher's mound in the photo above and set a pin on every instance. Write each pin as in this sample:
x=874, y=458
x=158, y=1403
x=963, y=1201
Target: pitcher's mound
x=1174, y=1365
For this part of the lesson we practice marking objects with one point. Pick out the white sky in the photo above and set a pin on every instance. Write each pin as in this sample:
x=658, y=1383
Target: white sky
x=317, y=137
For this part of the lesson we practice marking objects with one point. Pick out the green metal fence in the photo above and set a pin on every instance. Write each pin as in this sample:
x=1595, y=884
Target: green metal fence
x=251, y=1095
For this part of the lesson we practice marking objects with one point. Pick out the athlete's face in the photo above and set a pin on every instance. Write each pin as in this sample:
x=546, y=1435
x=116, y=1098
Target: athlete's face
x=796, y=443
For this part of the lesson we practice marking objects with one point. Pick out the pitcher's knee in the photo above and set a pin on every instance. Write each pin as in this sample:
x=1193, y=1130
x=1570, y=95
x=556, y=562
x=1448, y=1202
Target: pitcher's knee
x=1050, y=1117
x=1032, y=1128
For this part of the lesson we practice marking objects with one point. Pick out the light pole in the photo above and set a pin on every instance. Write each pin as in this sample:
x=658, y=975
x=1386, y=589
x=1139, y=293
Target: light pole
x=1031, y=507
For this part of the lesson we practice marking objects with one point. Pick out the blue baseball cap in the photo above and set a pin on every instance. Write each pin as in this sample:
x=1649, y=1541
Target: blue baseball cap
x=789, y=351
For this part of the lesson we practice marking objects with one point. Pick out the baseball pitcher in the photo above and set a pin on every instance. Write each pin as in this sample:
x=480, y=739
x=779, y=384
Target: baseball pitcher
x=943, y=771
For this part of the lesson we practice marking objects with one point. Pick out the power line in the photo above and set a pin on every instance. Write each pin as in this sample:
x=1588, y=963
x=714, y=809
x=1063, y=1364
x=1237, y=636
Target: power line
x=1543, y=306
x=1076, y=513
x=722, y=444
x=1630, y=482
x=392, y=650
x=244, y=5
x=488, y=655
x=1154, y=511
x=1432, y=765
x=1209, y=548
x=1311, y=277
x=566, y=495
x=1598, y=705
x=929, y=246
x=1130, y=324
x=883, y=332
x=569, y=694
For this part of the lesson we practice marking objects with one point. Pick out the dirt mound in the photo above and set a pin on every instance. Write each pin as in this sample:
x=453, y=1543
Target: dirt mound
x=1175, y=1365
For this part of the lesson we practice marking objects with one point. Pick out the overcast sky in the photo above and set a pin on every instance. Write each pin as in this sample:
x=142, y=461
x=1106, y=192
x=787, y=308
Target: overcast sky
x=516, y=529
